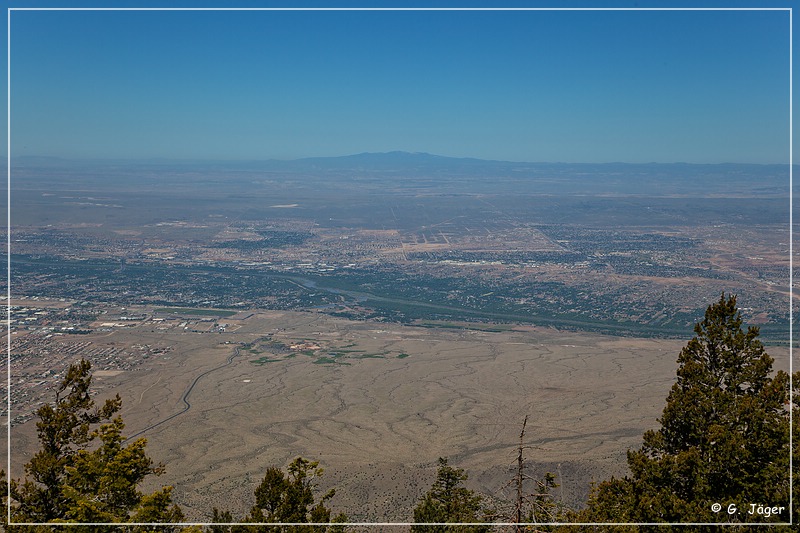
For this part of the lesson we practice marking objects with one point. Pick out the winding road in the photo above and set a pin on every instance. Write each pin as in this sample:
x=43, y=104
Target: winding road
x=185, y=397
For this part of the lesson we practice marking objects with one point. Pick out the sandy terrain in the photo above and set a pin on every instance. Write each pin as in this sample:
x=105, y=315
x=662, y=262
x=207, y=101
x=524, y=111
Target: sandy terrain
x=378, y=419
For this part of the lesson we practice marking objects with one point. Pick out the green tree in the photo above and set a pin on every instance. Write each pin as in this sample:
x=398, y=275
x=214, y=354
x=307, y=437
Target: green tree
x=723, y=438
x=449, y=502
x=286, y=498
x=83, y=472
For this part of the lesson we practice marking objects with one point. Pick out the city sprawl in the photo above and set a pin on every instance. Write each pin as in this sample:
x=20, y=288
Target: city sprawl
x=180, y=275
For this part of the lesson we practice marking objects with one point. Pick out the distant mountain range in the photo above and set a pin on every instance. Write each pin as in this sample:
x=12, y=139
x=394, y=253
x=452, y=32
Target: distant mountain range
x=382, y=161
x=421, y=170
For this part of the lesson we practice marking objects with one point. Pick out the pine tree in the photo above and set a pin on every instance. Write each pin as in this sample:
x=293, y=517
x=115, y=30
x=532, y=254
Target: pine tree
x=449, y=502
x=723, y=437
x=286, y=499
x=83, y=472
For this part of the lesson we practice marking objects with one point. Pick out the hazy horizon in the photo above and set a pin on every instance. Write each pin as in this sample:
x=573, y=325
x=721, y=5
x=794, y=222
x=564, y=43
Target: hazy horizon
x=267, y=158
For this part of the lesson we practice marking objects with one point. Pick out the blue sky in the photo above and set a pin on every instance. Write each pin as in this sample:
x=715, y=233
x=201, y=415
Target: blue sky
x=572, y=86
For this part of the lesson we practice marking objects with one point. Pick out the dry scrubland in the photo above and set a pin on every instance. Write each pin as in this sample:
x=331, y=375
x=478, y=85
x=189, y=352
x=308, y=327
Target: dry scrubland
x=377, y=419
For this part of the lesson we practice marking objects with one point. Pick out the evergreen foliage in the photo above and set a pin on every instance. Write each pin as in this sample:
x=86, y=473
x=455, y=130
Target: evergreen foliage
x=449, y=502
x=723, y=439
x=286, y=499
x=83, y=471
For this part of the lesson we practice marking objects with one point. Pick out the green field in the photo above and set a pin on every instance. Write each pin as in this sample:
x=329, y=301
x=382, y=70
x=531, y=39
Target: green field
x=262, y=360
